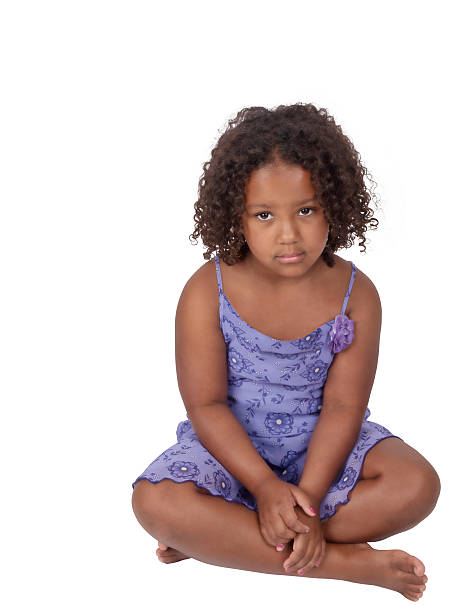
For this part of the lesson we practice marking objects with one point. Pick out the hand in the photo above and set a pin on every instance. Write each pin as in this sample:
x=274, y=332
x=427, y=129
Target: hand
x=309, y=548
x=276, y=500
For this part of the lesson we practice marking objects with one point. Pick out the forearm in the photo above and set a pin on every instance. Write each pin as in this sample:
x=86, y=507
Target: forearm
x=331, y=442
x=225, y=438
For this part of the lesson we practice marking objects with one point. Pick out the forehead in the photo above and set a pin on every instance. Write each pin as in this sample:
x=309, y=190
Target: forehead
x=279, y=181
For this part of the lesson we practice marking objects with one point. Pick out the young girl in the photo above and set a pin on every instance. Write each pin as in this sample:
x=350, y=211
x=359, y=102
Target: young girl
x=277, y=468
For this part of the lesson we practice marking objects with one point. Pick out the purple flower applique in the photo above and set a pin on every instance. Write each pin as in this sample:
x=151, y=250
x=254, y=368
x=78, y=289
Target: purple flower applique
x=341, y=333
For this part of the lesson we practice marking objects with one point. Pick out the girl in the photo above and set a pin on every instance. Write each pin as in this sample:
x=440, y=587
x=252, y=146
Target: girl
x=277, y=468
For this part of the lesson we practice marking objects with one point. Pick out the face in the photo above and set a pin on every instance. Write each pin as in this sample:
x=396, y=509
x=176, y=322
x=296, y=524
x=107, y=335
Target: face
x=281, y=217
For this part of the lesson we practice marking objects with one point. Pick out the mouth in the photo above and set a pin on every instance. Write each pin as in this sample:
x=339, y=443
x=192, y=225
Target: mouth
x=291, y=258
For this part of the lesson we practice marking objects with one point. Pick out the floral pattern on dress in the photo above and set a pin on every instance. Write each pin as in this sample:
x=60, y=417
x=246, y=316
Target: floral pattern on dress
x=275, y=390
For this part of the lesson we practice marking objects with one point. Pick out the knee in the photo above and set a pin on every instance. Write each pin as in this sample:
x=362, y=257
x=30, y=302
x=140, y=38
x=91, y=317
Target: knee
x=152, y=502
x=146, y=500
x=429, y=486
x=423, y=491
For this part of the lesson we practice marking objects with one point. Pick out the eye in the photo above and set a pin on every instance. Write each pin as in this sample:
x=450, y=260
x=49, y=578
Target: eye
x=262, y=213
x=268, y=213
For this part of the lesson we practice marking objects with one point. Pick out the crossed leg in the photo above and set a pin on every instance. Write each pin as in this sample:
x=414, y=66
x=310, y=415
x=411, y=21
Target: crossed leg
x=215, y=531
x=397, y=489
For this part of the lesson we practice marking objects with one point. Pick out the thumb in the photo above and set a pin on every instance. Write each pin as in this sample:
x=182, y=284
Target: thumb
x=303, y=500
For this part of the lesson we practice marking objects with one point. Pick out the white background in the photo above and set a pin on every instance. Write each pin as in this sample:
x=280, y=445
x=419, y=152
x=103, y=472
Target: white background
x=108, y=112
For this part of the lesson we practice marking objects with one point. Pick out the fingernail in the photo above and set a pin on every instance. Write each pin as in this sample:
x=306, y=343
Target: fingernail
x=301, y=571
x=280, y=547
x=318, y=563
x=312, y=510
x=286, y=568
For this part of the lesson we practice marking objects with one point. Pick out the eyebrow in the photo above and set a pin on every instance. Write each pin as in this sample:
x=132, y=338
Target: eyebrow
x=274, y=206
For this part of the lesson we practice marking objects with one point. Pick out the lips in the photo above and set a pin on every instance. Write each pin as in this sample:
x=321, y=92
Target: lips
x=291, y=254
x=290, y=259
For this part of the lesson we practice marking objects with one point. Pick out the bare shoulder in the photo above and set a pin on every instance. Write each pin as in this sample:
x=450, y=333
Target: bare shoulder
x=202, y=289
x=364, y=294
x=351, y=375
x=200, y=349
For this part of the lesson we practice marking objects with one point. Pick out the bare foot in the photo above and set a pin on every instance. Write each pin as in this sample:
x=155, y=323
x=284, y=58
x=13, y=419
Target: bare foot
x=391, y=569
x=166, y=554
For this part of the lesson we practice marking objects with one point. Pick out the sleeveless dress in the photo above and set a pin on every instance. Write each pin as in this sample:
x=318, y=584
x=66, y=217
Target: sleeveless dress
x=275, y=390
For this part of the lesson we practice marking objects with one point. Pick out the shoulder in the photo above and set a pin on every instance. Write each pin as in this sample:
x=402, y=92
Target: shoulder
x=364, y=301
x=364, y=294
x=200, y=349
x=204, y=280
x=200, y=292
x=351, y=375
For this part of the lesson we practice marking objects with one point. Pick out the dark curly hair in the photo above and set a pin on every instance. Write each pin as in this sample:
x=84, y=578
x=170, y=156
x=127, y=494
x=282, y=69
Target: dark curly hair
x=297, y=134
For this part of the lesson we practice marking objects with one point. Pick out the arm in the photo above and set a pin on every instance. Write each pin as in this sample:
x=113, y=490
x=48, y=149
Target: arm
x=225, y=438
x=346, y=394
x=201, y=363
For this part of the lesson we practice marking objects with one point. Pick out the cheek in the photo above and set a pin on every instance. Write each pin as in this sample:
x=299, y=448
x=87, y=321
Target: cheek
x=245, y=224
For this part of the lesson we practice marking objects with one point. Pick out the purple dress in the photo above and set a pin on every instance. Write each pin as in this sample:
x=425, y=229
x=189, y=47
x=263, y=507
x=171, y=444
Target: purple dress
x=275, y=390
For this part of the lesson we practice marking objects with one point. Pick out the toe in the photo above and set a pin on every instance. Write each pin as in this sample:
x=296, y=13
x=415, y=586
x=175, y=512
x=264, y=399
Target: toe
x=413, y=581
x=417, y=566
x=410, y=564
x=415, y=589
x=410, y=597
x=163, y=555
x=413, y=595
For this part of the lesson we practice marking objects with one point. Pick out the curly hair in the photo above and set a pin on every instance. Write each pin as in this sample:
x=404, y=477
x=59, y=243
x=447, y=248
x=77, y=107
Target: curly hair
x=296, y=134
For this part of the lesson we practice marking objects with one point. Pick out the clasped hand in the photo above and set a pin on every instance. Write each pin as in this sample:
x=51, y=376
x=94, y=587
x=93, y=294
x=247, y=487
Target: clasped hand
x=279, y=521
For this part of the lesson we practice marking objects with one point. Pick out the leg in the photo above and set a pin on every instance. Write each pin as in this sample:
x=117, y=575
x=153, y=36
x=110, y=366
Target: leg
x=397, y=489
x=226, y=534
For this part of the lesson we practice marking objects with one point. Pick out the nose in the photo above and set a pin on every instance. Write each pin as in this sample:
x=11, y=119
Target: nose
x=288, y=233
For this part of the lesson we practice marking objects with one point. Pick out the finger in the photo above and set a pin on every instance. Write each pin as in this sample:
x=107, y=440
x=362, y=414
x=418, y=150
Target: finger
x=286, y=533
x=313, y=559
x=266, y=536
x=274, y=526
x=293, y=557
x=302, y=563
x=303, y=500
x=282, y=543
x=294, y=523
x=311, y=555
x=297, y=557
x=322, y=554
x=272, y=534
x=280, y=538
x=280, y=531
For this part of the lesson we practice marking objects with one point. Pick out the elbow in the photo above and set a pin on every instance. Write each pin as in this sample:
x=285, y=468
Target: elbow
x=344, y=407
x=355, y=412
x=194, y=409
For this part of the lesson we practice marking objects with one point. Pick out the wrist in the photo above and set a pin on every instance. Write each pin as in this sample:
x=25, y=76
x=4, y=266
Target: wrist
x=315, y=499
x=256, y=489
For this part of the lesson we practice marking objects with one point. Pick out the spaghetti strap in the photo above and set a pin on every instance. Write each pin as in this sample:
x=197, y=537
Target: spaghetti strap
x=294, y=373
x=349, y=289
x=219, y=276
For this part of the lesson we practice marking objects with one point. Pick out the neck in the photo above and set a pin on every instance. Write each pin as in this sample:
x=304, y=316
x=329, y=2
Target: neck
x=271, y=281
